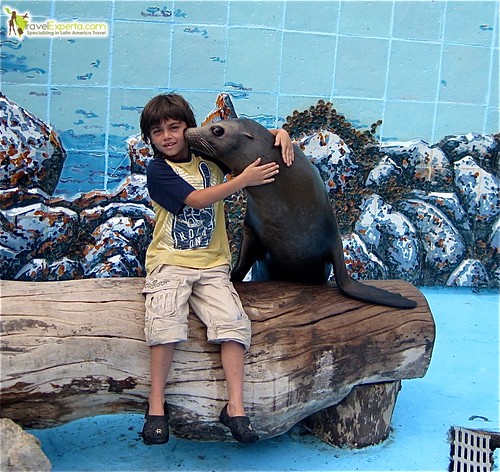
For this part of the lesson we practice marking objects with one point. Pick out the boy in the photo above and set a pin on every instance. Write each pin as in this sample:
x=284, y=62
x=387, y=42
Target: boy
x=187, y=262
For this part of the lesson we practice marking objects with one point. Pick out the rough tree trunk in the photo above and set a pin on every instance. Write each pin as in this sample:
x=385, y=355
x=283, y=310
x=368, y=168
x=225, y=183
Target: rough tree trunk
x=76, y=349
x=361, y=419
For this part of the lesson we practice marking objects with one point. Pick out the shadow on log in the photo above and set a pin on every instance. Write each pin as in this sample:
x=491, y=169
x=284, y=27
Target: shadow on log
x=75, y=349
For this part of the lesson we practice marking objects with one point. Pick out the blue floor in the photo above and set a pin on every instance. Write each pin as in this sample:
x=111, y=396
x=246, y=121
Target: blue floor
x=460, y=388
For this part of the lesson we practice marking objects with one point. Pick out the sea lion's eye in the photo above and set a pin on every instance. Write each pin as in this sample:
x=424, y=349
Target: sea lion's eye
x=218, y=130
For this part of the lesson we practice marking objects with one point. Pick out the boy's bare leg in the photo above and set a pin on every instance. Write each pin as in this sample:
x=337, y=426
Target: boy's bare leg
x=233, y=360
x=161, y=360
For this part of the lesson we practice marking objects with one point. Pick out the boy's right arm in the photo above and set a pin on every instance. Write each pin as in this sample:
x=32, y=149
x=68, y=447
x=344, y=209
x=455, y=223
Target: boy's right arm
x=253, y=175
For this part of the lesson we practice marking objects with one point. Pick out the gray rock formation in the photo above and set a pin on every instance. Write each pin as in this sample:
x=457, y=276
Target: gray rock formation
x=20, y=451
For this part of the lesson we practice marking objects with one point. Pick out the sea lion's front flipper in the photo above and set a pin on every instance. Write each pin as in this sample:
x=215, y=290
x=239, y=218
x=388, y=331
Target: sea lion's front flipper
x=247, y=255
x=359, y=291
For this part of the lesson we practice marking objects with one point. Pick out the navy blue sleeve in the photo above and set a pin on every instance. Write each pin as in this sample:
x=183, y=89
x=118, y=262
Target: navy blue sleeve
x=166, y=187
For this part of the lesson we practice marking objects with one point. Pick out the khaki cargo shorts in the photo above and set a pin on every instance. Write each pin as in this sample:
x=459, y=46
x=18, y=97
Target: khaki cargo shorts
x=171, y=290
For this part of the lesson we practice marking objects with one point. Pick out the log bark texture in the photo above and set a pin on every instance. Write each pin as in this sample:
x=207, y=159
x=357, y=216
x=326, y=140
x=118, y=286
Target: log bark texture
x=76, y=349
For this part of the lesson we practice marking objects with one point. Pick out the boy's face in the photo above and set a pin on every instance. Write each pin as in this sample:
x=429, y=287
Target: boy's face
x=168, y=138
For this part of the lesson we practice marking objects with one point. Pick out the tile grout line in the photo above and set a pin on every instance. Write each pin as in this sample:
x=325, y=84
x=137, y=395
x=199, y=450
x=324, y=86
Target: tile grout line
x=171, y=45
x=387, y=70
x=108, y=96
x=490, y=72
x=226, y=46
x=280, y=73
x=49, y=71
x=335, y=52
x=440, y=67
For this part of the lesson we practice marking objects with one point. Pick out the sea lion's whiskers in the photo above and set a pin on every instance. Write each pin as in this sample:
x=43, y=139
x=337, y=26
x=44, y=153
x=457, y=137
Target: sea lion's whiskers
x=203, y=145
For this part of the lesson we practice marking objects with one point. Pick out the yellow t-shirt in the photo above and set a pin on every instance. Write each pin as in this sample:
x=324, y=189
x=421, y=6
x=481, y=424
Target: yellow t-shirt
x=194, y=238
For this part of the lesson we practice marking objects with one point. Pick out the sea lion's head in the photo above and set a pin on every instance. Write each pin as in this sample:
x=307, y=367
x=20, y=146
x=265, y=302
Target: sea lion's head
x=235, y=142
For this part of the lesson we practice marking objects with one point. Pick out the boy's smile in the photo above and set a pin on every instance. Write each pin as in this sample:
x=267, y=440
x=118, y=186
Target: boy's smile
x=168, y=138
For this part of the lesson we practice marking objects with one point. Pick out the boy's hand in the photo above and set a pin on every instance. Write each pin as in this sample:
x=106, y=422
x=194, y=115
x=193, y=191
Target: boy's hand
x=283, y=140
x=256, y=174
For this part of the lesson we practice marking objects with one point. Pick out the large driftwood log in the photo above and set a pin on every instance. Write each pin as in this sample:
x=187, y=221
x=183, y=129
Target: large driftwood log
x=76, y=349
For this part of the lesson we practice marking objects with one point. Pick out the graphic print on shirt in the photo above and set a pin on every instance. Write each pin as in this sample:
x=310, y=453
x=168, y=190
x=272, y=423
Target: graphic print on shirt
x=193, y=228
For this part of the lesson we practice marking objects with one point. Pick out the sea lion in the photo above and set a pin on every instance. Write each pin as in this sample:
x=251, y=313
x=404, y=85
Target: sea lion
x=290, y=232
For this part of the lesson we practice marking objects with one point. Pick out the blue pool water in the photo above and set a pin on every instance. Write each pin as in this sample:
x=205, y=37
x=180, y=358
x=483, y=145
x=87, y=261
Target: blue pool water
x=461, y=388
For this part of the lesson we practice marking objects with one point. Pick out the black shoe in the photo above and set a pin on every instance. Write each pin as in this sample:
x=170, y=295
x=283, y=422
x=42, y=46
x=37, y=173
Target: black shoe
x=240, y=427
x=155, y=430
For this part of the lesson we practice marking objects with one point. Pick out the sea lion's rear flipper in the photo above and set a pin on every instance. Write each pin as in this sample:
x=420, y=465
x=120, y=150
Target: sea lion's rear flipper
x=359, y=291
x=374, y=295
x=247, y=255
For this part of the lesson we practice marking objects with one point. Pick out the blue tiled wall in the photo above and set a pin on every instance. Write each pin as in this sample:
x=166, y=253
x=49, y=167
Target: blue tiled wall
x=426, y=68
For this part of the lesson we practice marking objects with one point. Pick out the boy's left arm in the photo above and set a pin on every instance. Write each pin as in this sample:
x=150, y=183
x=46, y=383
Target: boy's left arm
x=283, y=140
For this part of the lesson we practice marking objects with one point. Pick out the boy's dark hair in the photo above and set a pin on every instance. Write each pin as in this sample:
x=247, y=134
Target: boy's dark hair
x=161, y=108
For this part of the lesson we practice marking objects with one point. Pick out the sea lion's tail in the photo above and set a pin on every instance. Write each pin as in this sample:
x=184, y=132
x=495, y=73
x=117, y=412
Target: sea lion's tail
x=374, y=295
x=359, y=291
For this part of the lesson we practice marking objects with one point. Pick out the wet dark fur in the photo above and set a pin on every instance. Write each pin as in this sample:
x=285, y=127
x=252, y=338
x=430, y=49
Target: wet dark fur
x=290, y=230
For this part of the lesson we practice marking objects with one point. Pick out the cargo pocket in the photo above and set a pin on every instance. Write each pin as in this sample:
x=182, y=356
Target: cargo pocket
x=161, y=297
x=236, y=298
x=161, y=294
